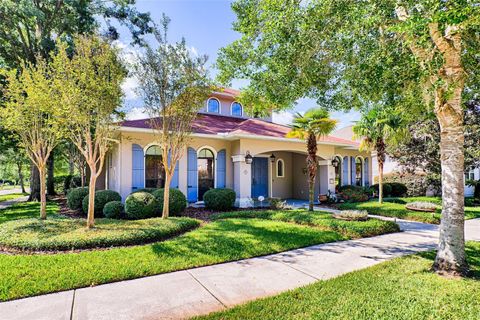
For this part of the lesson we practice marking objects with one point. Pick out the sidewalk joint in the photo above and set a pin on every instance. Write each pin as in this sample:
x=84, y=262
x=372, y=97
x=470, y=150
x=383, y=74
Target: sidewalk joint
x=211, y=293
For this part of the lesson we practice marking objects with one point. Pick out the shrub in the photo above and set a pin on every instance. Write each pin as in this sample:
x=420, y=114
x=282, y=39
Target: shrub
x=387, y=189
x=278, y=204
x=421, y=206
x=416, y=183
x=102, y=197
x=114, y=210
x=219, y=199
x=177, y=201
x=398, y=189
x=75, y=197
x=140, y=205
x=147, y=190
x=353, y=194
x=352, y=215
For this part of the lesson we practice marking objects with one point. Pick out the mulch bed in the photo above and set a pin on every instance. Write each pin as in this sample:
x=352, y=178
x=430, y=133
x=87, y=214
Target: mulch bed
x=64, y=210
x=205, y=214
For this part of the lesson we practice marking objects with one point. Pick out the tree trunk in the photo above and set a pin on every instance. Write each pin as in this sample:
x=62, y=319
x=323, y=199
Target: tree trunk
x=166, y=197
x=71, y=166
x=91, y=200
x=51, y=175
x=20, y=176
x=43, y=193
x=380, y=182
x=34, y=183
x=312, y=168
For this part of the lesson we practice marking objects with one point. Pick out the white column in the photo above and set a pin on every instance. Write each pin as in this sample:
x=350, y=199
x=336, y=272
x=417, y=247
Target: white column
x=242, y=181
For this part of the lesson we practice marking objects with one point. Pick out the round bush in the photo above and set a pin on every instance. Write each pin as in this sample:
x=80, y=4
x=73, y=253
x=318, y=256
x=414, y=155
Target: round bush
x=387, y=189
x=75, y=197
x=114, y=210
x=147, y=190
x=102, y=197
x=177, y=201
x=398, y=189
x=140, y=205
x=219, y=199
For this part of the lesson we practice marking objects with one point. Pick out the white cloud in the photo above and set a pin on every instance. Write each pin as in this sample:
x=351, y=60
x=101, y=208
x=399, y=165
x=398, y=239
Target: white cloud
x=283, y=117
x=136, y=113
x=129, y=87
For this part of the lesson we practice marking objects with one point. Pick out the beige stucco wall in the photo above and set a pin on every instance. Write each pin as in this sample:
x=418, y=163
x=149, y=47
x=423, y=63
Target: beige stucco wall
x=282, y=186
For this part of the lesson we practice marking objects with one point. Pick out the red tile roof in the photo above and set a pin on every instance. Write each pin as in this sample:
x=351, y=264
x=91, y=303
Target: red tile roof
x=218, y=124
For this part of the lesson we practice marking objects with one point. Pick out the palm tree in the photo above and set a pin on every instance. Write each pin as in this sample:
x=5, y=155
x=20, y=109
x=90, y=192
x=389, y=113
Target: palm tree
x=378, y=127
x=311, y=126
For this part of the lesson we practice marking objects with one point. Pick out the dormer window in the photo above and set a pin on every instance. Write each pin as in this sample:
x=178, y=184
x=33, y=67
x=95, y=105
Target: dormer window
x=236, y=109
x=213, y=105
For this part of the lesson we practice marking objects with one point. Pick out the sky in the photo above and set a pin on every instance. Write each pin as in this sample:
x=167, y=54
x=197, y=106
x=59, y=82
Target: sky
x=207, y=26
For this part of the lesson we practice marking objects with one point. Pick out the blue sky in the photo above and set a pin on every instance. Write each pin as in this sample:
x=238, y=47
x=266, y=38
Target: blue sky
x=207, y=27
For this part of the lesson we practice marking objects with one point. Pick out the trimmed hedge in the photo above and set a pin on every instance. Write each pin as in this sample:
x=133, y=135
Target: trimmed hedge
x=140, y=205
x=219, y=199
x=351, y=193
x=391, y=189
x=102, y=197
x=75, y=198
x=114, y=210
x=147, y=190
x=177, y=201
x=387, y=189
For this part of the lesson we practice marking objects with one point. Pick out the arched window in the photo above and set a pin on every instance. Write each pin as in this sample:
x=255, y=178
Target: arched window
x=206, y=171
x=236, y=109
x=154, y=171
x=338, y=172
x=358, y=171
x=280, y=168
x=213, y=105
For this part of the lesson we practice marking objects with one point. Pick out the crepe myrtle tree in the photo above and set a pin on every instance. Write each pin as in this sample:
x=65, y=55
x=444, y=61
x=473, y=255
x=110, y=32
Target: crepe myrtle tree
x=174, y=85
x=30, y=110
x=342, y=52
x=312, y=126
x=91, y=95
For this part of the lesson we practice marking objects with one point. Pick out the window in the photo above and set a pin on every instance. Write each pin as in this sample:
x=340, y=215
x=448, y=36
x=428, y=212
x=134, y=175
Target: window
x=280, y=168
x=213, y=105
x=154, y=171
x=470, y=175
x=237, y=109
x=206, y=171
x=338, y=172
x=358, y=172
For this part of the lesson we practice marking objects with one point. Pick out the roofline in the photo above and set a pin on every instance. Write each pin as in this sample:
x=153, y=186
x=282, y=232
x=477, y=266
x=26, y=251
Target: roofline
x=230, y=137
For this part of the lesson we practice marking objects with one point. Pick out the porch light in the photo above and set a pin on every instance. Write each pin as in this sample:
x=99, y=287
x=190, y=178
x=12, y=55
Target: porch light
x=248, y=158
x=272, y=158
x=335, y=162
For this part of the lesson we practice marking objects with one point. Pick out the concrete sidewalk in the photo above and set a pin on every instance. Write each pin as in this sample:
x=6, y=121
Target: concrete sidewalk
x=202, y=290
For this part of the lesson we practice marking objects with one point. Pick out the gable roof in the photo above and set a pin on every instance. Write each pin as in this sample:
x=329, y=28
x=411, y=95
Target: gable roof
x=214, y=124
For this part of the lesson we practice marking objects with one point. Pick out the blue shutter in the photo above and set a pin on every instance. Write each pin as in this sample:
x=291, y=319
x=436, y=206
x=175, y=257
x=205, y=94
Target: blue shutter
x=345, y=171
x=221, y=169
x=353, y=170
x=138, y=172
x=366, y=176
x=174, y=183
x=192, y=181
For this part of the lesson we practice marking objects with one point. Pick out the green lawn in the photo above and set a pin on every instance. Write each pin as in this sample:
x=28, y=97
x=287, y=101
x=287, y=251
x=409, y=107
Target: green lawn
x=395, y=207
x=403, y=288
x=11, y=196
x=219, y=241
x=26, y=210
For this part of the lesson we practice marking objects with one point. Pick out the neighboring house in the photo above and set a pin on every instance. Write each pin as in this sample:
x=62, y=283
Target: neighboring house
x=224, y=142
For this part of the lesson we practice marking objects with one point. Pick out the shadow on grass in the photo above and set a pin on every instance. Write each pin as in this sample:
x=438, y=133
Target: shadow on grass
x=26, y=210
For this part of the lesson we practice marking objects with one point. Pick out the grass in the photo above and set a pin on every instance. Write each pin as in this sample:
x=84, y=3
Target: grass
x=402, y=288
x=321, y=220
x=26, y=210
x=395, y=207
x=11, y=196
x=219, y=241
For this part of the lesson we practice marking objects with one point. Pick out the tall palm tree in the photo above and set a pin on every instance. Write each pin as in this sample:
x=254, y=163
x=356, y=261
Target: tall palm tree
x=378, y=127
x=311, y=126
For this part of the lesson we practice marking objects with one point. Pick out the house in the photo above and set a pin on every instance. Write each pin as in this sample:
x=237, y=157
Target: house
x=230, y=150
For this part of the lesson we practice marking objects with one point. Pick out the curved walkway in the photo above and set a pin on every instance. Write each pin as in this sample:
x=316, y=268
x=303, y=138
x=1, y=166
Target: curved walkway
x=183, y=294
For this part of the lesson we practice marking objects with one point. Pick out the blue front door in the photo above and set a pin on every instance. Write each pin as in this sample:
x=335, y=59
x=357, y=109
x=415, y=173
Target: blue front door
x=259, y=177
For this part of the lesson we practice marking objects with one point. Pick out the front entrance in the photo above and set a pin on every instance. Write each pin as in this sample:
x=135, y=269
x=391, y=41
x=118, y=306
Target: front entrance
x=206, y=169
x=259, y=177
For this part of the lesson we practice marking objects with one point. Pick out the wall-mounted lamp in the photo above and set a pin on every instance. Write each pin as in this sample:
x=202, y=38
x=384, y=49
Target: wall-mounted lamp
x=335, y=162
x=248, y=158
x=272, y=158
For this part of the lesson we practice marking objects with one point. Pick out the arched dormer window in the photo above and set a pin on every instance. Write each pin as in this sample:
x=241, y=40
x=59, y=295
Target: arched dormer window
x=280, y=168
x=236, y=109
x=213, y=105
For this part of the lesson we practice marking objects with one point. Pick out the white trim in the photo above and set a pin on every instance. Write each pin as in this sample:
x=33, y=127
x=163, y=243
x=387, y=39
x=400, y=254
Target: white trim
x=231, y=137
x=231, y=110
x=361, y=169
x=219, y=105
x=283, y=168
